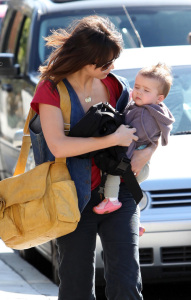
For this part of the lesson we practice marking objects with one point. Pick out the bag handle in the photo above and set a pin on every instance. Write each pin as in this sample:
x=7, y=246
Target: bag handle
x=65, y=106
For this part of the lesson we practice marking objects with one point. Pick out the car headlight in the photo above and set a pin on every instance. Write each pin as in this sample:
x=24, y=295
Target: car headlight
x=144, y=201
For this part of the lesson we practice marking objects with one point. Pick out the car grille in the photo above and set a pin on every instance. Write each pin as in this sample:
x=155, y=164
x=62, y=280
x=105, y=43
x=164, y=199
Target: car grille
x=170, y=198
x=176, y=254
x=146, y=256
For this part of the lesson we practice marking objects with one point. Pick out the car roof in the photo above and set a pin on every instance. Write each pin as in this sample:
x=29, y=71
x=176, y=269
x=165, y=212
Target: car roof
x=126, y=2
x=141, y=57
x=48, y=5
x=114, y=3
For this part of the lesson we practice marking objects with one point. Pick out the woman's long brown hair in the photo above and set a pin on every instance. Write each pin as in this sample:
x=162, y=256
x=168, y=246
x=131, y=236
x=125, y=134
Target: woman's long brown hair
x=93, y=40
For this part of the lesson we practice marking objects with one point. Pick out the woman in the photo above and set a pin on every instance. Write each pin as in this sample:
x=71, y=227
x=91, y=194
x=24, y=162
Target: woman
x=83, y=58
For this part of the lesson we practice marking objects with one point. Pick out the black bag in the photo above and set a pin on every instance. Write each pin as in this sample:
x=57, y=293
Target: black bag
x=100, y=120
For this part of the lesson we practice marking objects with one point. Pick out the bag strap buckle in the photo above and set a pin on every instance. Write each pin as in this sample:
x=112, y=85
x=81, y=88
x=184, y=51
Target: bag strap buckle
x=124, y=164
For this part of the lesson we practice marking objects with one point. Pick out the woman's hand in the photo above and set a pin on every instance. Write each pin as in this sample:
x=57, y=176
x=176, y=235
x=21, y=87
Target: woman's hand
x=125, y=135
x=141, y=157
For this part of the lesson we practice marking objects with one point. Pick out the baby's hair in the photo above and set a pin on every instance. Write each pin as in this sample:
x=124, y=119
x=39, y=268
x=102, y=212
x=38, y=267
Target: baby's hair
x=162, y=73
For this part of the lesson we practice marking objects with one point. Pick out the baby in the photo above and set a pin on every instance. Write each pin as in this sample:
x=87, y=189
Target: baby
x=150, y=116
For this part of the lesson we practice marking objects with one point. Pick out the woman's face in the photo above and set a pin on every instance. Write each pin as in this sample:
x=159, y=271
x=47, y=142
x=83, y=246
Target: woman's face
x=101, y=72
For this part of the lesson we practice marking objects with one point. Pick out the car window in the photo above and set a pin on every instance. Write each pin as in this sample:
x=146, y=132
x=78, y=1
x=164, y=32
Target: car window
x=14, y=33
x=162, y=26
x=3, y=8
x=22, y=44
x=5, y=32
x=17, y=32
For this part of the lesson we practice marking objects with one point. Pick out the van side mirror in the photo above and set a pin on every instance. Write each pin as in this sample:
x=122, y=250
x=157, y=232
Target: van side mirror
x=7, y=66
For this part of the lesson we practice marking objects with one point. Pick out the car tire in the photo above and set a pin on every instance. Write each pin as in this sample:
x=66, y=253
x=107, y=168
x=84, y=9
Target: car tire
x=1, y=170
x=55, y=277
x=29, y=255
x=100, y=292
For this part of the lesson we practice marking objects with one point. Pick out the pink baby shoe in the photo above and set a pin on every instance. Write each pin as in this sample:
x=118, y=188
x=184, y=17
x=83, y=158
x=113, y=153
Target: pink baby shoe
x=107, y=206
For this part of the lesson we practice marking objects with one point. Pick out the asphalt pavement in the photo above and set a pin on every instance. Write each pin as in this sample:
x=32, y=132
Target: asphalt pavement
x=21, y=281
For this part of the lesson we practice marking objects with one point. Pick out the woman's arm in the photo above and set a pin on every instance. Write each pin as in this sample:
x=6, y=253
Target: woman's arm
x=141, y=157
x=63, y=146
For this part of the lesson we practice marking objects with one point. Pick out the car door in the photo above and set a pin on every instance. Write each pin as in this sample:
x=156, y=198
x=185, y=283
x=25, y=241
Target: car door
x=15, y=93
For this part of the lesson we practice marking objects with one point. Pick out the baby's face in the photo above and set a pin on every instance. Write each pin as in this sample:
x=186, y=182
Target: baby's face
x=146, y=91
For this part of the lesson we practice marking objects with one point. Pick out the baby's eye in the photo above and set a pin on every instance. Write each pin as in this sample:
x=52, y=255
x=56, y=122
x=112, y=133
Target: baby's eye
x=147, y=91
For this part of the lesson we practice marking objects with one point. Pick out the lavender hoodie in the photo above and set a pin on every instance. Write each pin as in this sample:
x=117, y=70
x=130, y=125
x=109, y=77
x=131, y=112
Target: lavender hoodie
x=151, y=121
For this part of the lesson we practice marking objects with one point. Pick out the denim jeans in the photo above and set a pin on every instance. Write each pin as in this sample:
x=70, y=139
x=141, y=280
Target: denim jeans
x=119, y=233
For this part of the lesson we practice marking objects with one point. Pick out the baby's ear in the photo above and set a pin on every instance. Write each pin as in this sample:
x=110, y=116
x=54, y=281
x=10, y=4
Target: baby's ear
x=160, y=98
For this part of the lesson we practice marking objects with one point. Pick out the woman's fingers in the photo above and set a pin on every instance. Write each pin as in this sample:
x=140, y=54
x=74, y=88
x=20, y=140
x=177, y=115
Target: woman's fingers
x=135, y=137
x=126, y=135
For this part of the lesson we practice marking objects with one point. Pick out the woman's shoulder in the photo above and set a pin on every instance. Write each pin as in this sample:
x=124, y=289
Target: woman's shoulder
x=44, y=85
x=45, y=94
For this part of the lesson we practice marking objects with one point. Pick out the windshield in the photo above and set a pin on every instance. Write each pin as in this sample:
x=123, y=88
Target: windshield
x=63, y=20
x=156, y=26
x=178, y=99
x=162, y=26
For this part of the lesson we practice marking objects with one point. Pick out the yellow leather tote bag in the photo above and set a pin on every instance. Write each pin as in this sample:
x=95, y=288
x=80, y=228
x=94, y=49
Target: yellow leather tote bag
x=41, y=204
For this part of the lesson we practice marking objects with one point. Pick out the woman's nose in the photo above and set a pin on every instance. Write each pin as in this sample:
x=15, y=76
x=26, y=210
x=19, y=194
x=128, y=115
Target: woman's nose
x=112, y=66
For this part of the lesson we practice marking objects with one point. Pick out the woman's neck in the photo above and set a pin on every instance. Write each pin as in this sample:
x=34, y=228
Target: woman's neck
x=83, y=85
x=88, y=89
x=81, y=81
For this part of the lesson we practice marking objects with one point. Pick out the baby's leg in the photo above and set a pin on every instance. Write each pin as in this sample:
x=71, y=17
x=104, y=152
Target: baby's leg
x=144, y=173
x=112, y=187
x=141, y=177
x=111, y=191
